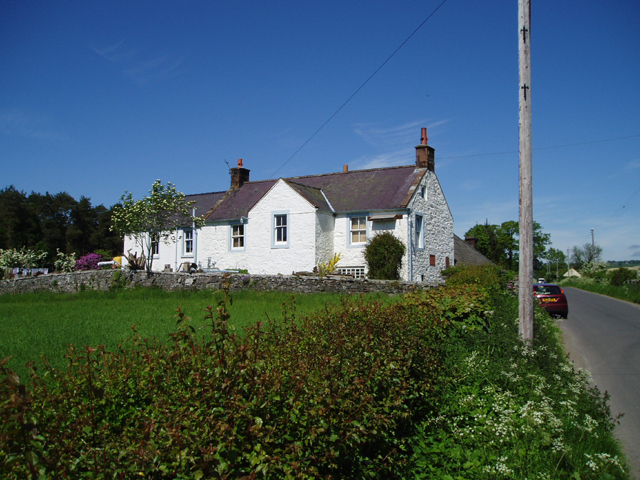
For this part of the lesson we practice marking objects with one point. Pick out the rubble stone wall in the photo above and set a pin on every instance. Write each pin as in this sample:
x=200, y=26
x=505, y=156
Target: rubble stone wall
x=106, y=279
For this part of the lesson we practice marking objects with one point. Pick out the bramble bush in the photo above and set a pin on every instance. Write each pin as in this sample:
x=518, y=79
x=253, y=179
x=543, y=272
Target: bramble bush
x=88, y=262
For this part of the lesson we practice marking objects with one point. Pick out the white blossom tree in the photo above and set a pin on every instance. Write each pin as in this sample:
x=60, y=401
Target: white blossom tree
x=153, y=218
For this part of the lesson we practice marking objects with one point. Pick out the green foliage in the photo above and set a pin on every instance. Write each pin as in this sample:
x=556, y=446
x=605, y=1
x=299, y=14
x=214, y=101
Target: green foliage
x=65, y=262
x=49, y=223
x=22, y=258
x=628, y=291
x=620, y=276
x=438, y=386
x=490, y=276
x=589, y=253
x=329, y=396
x=153, y=218
x=515, y=411
x=383, y=256
x=500, y=243
x=36, y=324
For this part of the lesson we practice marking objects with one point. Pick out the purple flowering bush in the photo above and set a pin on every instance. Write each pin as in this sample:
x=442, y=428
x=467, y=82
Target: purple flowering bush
x=88, y=262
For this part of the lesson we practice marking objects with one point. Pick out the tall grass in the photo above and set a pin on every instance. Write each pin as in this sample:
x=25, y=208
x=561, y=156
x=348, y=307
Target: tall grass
x=46, y=324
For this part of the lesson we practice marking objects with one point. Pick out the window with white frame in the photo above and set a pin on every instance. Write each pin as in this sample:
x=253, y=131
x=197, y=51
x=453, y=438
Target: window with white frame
x=280, y=229
x=187, y=242
x=358, y=230
x=419, y=230
x=237, y=236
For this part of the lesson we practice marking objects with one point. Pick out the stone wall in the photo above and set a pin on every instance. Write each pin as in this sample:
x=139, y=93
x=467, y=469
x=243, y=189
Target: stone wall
x=105, y=279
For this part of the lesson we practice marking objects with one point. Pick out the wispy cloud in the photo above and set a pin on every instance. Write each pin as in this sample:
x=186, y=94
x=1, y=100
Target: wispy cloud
x=390, y=159
x=142, y=69
x=394, y=136
x=394, y=139
x=15, y=122
x=633, y=165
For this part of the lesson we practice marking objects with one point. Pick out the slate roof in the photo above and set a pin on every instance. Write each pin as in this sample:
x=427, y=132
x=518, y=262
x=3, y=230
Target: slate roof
x=358, y=190
x=465, y=254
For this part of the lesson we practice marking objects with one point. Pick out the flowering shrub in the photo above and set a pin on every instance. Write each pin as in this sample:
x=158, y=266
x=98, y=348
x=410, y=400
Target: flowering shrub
x=88, y=262
x=65, y=263
x=22, y=258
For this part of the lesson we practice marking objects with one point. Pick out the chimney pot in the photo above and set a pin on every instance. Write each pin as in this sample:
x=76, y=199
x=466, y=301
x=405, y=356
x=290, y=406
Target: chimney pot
x=345, y=169
x=239, y=175
x=424, y=139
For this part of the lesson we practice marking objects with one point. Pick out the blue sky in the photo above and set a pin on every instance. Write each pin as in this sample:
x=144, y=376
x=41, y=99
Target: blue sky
x=101, y=97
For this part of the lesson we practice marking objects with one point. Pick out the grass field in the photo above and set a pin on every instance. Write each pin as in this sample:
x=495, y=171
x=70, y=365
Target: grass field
x=38, y=324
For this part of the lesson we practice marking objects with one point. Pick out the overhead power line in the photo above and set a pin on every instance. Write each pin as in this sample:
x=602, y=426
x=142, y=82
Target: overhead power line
x=632, y=198
x=359, y=88
x=541, y=148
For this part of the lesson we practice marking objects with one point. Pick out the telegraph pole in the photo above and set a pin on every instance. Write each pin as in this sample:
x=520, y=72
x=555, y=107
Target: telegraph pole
x=525, y=308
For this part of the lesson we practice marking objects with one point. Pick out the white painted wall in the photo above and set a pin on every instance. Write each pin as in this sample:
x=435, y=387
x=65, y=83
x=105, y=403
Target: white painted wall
x=300, y=254
x=315, y=236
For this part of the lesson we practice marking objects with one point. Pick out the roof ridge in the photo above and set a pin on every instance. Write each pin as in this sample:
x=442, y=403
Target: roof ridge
x=356, y=171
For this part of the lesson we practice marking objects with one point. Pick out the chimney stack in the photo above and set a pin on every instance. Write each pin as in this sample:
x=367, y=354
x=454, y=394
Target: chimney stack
x=239, y=175
x=472, y=241
x=425, y=155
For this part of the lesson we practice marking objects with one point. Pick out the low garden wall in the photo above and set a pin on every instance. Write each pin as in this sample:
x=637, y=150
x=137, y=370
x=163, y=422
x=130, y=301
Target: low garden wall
x=107, y=279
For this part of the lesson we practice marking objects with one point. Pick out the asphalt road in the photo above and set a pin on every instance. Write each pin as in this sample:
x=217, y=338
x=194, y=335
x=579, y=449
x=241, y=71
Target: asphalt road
x=602, y=335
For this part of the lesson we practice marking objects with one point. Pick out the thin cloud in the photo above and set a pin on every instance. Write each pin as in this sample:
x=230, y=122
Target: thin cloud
x=394, y=136
x=391, y=159
x=15, y=122
x=141, y=71
x=633, y=165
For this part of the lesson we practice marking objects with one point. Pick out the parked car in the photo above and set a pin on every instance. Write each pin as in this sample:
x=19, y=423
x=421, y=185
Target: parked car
x=552, y=298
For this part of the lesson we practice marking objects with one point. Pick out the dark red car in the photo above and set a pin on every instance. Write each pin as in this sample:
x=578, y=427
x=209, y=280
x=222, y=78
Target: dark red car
x=552, y=298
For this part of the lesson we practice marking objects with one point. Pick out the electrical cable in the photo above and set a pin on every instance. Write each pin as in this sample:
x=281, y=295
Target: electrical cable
x=359, y=88
x=541, y=148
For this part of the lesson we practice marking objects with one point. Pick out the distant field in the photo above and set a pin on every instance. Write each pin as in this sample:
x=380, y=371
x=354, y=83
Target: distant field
x=45, y=324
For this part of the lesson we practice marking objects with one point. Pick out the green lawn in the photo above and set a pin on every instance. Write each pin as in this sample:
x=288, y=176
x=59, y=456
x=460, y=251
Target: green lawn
x=38, y=324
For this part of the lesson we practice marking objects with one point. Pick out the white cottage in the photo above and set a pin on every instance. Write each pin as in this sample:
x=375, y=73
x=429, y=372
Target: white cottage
x=292, y=224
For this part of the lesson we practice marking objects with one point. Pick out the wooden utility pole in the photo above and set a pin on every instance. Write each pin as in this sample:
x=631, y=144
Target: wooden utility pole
x=526, y=172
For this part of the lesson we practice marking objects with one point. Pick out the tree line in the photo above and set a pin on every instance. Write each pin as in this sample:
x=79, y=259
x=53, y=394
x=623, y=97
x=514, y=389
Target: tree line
x=51, y=223
x=500, y=244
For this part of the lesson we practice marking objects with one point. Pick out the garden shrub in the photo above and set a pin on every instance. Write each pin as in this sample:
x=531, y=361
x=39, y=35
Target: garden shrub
x=64, y=262
x=88, y=262
x=383, y=256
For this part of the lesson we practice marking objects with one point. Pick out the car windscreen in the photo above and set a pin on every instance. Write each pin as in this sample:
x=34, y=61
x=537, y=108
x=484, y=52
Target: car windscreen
x=547, y=290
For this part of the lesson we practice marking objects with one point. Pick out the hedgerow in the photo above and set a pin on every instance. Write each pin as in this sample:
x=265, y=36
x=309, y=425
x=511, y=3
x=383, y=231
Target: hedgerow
x=436, y=386
x=336, y=395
